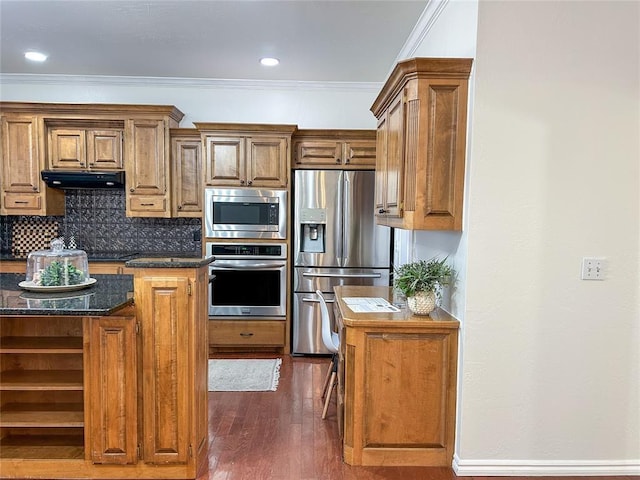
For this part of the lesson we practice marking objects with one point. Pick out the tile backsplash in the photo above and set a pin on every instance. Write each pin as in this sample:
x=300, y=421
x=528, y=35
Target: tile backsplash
x=97, y=221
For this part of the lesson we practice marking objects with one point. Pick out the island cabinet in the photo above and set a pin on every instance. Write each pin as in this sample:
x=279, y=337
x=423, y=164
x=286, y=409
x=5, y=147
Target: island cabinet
x=246, y=155
x=396, y=384
x=122, y=394
x=334, y=149
x=420, y=150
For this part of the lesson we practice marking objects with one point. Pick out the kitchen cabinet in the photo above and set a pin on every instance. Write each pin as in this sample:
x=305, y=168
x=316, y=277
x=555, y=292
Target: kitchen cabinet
x=334, y=149
x=171, y=309
x=80, y=149
x=23, y=192
x=111, y=393
x=186, y=160
x=422, y=127
x=396, y=384
x=73, y=136
x=246, y=155
x=264, y=334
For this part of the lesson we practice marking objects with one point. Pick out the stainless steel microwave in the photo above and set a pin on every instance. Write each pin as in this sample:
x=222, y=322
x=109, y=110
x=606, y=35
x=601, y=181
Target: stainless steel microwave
x=245, y=213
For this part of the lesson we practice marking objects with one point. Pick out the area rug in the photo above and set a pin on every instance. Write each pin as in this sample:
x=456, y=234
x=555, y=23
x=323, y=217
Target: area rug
x=244, y=375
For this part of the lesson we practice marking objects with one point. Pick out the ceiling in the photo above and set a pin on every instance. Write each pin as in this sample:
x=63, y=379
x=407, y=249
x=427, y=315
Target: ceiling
x=319, y=41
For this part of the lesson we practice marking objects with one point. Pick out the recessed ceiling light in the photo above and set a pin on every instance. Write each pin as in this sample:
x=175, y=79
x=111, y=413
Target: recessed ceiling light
x=35, y=56
x=269, y=62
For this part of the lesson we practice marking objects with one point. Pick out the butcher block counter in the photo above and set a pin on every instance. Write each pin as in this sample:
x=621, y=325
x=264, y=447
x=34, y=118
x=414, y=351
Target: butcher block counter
x=109, y=381
x=396, y=383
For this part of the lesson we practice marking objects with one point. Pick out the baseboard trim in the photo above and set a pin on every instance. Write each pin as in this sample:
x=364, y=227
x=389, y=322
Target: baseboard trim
x=502, y=468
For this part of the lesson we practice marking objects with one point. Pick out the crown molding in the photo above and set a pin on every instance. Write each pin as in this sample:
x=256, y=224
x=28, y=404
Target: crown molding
x=427, y=20
x=177, y=82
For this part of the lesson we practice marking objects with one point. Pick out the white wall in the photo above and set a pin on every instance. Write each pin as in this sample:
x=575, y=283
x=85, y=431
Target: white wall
x=306, y=104
x=550, y=371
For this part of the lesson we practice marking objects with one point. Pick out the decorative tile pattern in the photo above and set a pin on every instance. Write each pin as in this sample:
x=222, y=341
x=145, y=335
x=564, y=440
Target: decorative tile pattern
x=96, y=219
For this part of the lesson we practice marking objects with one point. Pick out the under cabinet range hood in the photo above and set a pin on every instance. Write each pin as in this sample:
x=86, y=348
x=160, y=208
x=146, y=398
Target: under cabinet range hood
x=83, y=179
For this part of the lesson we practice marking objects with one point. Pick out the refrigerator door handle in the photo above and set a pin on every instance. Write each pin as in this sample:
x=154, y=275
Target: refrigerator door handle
x=346, y=218
x=315, y=300
x=343, y=275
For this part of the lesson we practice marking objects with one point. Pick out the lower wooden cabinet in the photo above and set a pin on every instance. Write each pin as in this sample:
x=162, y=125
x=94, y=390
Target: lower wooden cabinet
x=397, y=384
x=247, y=334
x=111, y=387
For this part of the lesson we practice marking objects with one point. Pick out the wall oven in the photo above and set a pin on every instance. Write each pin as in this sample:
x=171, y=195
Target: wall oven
x=245, y=213
x=250, y=279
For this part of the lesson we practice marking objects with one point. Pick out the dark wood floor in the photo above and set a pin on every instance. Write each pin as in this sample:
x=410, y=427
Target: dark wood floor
x=281, y=435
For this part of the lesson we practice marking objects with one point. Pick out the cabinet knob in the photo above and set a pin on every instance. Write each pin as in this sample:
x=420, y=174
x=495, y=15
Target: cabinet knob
x=382, y=210
x=241, y=182
x=35, y=189
x=132, y=189
x=179, y=207
x=337, y=160
x=250, y=182
x=347, y=161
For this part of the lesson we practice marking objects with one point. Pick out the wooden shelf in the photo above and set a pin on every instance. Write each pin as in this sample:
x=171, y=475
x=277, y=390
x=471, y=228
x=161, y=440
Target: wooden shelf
x=32, y=415
x=42, y=447
x=41, y=380
x=41, y=345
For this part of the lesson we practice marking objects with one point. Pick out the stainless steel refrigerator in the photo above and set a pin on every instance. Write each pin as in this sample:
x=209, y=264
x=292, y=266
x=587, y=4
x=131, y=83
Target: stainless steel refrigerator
x=336, y=242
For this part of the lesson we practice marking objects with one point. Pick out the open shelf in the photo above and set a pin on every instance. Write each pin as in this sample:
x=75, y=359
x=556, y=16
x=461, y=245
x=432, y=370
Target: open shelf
x=27, y=415
x=41, y=380
x=41, y=345
x=42, y=447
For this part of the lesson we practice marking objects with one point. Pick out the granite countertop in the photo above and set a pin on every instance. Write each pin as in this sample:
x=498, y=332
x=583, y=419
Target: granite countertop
x=110, y=256
x=168, y=262
x=108, y=295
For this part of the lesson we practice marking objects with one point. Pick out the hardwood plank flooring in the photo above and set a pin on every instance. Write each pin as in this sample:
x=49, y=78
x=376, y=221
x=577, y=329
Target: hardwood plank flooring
x=281, y=435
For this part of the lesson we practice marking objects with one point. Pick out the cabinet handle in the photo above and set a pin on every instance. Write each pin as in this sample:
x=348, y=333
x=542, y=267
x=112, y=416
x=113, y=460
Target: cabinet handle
x=382, y=210
x=21, y=202
x=246, y=334
x=146, y=204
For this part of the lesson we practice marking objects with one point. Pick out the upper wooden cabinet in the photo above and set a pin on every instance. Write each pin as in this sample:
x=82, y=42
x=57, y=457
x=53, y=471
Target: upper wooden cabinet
x=23, y=192
x=246, y=155
x=186, y=160
x=422, y=126
x=334, y=149
x=80, y=149
x=39, y=136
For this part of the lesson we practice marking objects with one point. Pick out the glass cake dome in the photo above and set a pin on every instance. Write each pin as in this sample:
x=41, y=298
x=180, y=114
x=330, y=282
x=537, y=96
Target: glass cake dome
x=58, y=267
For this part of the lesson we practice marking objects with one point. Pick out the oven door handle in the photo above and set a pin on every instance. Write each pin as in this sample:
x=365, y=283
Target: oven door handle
x=251, y=266
x=343, y=275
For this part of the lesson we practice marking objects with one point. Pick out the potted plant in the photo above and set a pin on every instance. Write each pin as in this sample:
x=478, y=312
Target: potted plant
x=421, y=282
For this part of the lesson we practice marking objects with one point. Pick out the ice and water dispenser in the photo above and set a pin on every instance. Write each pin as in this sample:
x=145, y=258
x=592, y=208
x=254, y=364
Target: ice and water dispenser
x=313, y=223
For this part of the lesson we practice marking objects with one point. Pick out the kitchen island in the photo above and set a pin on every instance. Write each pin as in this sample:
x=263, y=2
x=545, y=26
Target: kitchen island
x=396, y=383
x=110, y=382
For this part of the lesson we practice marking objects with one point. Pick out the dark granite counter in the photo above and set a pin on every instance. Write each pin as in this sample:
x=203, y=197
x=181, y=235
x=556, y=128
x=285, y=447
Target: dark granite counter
x=168, y=262
x=108, y=295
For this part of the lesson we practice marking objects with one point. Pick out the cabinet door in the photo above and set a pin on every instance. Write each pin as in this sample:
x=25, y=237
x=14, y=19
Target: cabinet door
x=319, y=153
x=20, y=160
x=266, y=162
x=67, y=149
x=187, y=176
x=104, y=149
x=147, y=169
x=393, y=164
x=225, y=161
x=111, y=390
x=359, y=153
x=166, y=390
